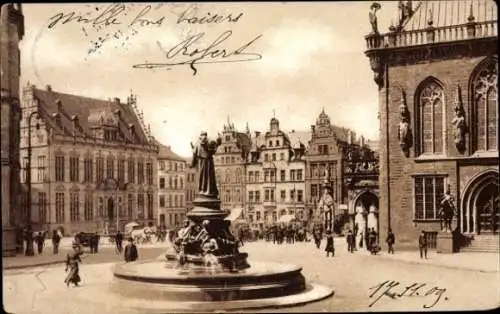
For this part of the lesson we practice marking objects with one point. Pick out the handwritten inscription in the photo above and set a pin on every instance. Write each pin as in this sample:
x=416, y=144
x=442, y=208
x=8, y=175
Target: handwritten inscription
x=192, y=16
x=184, y=54
x=394, y=290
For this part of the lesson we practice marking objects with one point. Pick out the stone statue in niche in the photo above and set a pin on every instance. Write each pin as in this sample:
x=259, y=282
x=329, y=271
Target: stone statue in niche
x=459, y=123
x=373, y=17
x=404, y=131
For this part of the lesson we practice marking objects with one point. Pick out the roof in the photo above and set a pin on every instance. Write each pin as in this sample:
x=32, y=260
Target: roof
x=88, y=111
x=299, y=137
x=166, y=152
x=450, y=12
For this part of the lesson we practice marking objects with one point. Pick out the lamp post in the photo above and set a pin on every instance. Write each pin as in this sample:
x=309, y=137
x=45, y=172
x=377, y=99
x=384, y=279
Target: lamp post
x=29, y=242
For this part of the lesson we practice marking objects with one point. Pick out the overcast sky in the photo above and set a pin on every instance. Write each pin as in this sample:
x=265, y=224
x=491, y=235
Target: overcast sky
x=312, y=57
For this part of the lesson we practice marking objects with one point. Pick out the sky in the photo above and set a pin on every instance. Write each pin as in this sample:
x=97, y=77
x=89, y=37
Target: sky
x=308, y=56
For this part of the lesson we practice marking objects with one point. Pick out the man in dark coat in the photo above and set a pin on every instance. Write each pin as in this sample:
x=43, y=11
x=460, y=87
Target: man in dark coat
x=56, y=239
x=422, y=245
x=390, y=242
x=130, y=253
x=119, y=241
x=350, y=241
x=40, y=241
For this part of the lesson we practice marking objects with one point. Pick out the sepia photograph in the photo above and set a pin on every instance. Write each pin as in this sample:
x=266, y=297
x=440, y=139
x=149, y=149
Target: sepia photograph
x=250, y=157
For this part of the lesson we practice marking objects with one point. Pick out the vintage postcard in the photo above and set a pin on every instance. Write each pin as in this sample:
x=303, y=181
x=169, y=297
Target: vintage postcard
x=250, y=157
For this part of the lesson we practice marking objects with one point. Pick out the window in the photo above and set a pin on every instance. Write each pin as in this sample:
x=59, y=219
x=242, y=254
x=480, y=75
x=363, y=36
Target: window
x=121, y=171
x=161, y=164
x=140, y=206
x=140, y=175
x=87, y=170
x=257, y=176
x=292, y=194
x=175, y=166
x=170, y=182
x=74, y=214
x=292, y=175
x=73, y=169
x=257, y=196
x=250, y=196
x=89, y=208
x=42, y=207
x=175, y=201
x=282, y=175
x=150, y=206
x=170, y=201
x=181, y=166
x=169, y=165
x=131, y=171
x=162, y=183
x=277, y=143
x=162, y=200
x=273, y=175
x=130, y=206
x=59, y=207
x=283, y=194
x=175, y=183
x=266, y=175
x=314, y=191
x=270, y=143
x=250, y=176
x=59, y=168
x=25, y=169
x=257, y=216
x=149, y=173
x=274, y=157
x=428, y=191
x=266, y=157
x=485, y=106
x=100, y=207
x=430, y=118
x=266, y=195
x=299, y=175
x=233, y=160
x=42, y=175
x=300, y=195
x=181, y=182
x=110, y=167
x=282, y=156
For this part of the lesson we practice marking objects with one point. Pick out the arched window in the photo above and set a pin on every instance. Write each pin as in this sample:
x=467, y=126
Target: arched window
x=429, y=118
x=485, y=106
x=228, y=176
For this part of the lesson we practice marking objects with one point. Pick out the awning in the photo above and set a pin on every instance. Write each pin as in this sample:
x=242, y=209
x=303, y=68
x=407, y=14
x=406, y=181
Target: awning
x=287, y=218
x=234, y=214
x=131, y=225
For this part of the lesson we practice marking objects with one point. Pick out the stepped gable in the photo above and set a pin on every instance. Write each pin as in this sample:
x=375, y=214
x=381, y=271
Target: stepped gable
x=444, y=13
x=88, y=111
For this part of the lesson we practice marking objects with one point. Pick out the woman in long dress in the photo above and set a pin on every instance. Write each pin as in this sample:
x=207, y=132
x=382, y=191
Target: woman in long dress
x=329, y=244
x=72, y=261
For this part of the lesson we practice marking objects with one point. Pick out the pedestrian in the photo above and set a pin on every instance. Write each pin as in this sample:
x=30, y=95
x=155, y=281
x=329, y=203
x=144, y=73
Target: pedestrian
x=361, y=237
x=390, y=242
x=422, y=244
x=329, y=244
x=56, y=239
x=355, y=235
x=350, y=241
x=97, y=239
x=72, y=260
x=373, y=241
x=40, y=241
x=29, y=241
x=119, y=242
x=130, y=253
x=241, y=235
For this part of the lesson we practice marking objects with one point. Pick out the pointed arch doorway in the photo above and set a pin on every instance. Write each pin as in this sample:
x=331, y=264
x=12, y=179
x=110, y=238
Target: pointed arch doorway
x=480, y=214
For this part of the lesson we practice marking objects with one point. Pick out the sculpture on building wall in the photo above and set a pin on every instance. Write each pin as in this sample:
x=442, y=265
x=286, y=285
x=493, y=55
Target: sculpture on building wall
x=404, y=130
x=373, y=17
x=459, y=122
x=203, y=159
x=405, y=12
x=447, y=211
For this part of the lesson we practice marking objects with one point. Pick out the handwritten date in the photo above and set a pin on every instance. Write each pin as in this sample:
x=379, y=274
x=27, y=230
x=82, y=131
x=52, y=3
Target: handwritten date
x=394, y=290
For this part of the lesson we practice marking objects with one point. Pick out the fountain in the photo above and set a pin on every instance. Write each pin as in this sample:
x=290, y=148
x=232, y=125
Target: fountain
x=205, y=267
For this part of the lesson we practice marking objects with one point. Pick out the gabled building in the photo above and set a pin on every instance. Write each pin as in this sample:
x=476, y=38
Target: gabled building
x=437, y=74
x=93, y=163
x=172, y=182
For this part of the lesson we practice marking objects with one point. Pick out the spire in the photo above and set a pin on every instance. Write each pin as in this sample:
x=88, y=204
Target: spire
x=471, y=17
x=274, y=113
x=247, y=129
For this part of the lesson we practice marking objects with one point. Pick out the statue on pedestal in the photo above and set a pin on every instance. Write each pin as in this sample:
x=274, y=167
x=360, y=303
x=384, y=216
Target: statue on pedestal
x=404, y=132
x=459, y=123
x=373, y=17
x=203, y=153
x=448, y=211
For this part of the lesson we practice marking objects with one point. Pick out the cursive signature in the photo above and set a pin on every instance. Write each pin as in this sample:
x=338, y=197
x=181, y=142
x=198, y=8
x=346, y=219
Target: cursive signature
x=109, y=16
x=213, y=53
x=395, y=290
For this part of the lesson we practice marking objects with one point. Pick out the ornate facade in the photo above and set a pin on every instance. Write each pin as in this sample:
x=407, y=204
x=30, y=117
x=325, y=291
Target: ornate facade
x=93, y=164
x=11, y=32
x=275, y=176
x=172, y=172
x=438, y=78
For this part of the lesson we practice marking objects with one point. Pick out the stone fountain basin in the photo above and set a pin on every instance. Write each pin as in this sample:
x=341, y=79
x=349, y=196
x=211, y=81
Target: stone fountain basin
x=158, y=280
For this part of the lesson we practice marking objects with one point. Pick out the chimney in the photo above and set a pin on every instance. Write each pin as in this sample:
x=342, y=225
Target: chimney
x=59, y=105
x=49, y=88
x=257, y=133
x=116, y=100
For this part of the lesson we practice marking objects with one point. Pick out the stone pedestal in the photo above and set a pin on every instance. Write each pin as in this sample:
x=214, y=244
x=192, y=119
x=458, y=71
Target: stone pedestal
x=444, y=243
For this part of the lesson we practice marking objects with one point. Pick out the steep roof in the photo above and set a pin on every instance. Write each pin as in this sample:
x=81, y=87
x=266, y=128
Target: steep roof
x=87, y=110
x=166, y=152
x=299, y=137
x=450, y=13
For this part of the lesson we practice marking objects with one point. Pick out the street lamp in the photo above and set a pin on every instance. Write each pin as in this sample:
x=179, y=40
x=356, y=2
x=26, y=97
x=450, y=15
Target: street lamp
x=29, y=242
